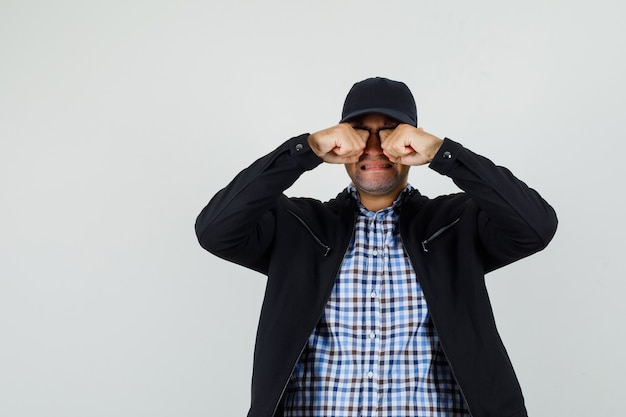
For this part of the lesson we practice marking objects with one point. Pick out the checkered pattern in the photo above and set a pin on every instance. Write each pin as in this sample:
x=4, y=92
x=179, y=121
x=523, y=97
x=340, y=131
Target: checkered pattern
x=375, y=351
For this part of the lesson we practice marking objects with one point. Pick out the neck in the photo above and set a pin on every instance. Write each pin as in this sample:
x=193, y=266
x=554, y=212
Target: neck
x=375, y=203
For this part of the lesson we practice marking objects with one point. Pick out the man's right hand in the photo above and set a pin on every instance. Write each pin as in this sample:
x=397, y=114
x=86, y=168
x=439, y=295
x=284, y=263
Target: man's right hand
x=340, y=144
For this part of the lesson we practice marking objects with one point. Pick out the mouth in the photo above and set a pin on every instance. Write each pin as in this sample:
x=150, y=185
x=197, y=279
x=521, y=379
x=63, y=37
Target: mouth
x=375, y=165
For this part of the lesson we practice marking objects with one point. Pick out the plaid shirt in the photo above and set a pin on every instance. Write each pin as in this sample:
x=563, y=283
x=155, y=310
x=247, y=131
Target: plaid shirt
x=375, y=351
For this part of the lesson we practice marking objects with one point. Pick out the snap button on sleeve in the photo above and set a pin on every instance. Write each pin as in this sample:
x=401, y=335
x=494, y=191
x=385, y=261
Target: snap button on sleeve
x=447, y=155
x=299, y=147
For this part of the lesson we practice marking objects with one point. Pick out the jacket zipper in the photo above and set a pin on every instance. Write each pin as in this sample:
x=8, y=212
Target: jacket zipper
x=320, y=315
x=437, y=234
x=452, y=370
x=425, y=249
x=306, y=226
x=293, y=368
x=450, y=366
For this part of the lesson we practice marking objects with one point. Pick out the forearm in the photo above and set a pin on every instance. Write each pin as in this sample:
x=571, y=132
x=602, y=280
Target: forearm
x=512, y=212
x=237, y=220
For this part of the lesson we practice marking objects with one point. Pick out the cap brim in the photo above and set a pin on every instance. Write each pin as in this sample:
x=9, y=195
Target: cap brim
x=399, y=116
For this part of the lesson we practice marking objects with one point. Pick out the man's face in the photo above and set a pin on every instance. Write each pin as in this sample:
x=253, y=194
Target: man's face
x=374, y=175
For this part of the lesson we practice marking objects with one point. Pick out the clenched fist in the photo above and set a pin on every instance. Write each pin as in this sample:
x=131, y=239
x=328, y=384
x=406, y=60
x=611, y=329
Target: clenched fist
x=340, y=144
x=408, y=145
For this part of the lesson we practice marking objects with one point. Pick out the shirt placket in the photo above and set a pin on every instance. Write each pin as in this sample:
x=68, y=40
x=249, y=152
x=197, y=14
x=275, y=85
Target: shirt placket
x=388, y=303
x=375, y=257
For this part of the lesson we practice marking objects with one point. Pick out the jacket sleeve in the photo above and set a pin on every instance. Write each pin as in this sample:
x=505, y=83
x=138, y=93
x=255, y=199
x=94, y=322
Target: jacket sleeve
x=513, y=220
x=238, y=222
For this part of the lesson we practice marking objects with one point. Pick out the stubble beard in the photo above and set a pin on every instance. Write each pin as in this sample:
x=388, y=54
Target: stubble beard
x=377, y=186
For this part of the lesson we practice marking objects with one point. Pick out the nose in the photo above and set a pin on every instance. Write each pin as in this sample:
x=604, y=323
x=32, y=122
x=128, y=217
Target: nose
x=373, y=144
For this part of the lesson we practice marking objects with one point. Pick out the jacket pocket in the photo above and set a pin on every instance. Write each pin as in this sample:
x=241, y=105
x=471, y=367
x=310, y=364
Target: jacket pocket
x=438, y=233
x=317, y=240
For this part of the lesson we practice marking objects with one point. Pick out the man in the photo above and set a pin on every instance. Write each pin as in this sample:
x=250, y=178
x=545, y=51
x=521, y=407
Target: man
x=376, y=303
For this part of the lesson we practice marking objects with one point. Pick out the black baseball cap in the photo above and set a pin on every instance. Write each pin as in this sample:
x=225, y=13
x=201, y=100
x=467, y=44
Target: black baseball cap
x=380, y=95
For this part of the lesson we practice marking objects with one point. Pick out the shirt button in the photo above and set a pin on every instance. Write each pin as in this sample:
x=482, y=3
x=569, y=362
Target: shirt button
x=372, y=335
x=447, y=155
x=299, y=147
x=370, y=374
x=373, y=294
x=375, y=252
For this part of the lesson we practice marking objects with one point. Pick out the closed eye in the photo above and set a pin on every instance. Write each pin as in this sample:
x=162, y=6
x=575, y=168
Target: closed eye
x=370, y=130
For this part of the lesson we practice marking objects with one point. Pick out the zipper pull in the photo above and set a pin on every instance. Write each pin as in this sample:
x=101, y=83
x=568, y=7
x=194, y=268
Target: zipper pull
x=437, y=233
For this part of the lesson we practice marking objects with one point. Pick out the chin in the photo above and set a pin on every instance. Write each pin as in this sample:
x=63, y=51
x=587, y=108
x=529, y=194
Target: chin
x=377, y=188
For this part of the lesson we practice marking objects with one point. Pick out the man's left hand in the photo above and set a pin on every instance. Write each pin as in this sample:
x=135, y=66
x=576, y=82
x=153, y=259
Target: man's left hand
x=408, y=145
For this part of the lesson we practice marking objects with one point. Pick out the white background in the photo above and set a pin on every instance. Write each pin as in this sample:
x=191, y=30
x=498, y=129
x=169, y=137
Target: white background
x=120, y=119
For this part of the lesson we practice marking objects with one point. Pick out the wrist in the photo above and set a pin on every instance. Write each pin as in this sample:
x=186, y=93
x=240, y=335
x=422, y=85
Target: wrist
x=446, y=156
x=434, y=148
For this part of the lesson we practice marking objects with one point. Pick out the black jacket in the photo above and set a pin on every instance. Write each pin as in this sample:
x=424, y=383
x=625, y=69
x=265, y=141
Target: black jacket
x=452, y=241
